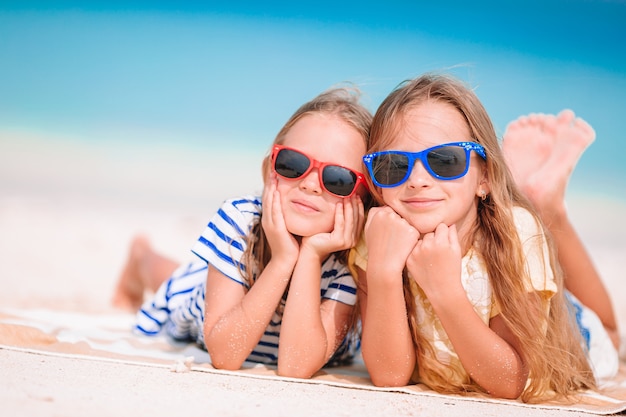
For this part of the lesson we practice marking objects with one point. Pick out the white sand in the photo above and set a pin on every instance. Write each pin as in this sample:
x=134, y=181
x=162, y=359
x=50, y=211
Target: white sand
x=67, y=214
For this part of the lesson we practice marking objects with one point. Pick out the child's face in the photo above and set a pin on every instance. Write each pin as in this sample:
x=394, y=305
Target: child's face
x=308, y=209
x=425, y=201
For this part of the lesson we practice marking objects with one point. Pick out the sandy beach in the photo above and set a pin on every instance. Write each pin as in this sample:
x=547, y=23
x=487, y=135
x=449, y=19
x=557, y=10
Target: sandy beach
x=67, y=213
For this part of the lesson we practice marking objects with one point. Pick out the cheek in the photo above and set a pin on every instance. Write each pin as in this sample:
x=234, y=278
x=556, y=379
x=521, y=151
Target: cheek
x=389, y=196
x=284, y=186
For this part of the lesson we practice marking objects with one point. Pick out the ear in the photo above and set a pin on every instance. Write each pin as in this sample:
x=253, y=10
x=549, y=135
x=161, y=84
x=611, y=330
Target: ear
x=484, y=188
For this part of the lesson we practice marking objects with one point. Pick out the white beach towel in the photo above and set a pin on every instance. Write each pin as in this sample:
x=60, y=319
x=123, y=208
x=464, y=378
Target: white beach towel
x=108, y=337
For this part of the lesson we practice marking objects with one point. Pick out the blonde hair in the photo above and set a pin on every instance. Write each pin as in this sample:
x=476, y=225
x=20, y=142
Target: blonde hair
x=555, y=359
x=342, y=102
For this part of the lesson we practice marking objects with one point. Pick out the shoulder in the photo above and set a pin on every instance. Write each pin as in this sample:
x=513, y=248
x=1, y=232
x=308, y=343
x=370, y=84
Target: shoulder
x=523, y=217
x=526, y=223
x=536, y=251
x=238, y=211
x=224, y=239
x=244, y=204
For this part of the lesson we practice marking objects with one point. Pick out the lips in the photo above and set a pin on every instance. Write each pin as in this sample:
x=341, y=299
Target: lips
x=304, y=205
x=421, y=202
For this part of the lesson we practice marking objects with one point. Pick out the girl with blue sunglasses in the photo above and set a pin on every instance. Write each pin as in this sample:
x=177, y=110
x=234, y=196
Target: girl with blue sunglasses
x=459, y=285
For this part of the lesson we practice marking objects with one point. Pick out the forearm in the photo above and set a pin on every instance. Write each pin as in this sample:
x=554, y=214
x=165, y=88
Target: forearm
x=230, y=338
x=304, y=346
x=491, y=361
x=386, y=343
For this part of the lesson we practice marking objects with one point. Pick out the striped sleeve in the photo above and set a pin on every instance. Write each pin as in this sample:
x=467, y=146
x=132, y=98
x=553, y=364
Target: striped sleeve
x=223, y=241
x=337, y=282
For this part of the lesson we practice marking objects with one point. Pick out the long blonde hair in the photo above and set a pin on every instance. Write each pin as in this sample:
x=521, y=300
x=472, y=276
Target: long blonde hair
x=342, y=102
x=555, y=359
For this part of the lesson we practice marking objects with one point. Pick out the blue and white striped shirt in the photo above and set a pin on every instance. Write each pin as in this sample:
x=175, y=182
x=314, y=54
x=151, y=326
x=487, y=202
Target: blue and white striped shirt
x=178, y=305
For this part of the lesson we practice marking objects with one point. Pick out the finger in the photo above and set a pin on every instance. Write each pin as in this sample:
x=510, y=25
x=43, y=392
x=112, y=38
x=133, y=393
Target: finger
x=427, y=241
x=453, y=235
x=360, y=218
x=441, y=234
x=352, y=221
x=339, y=228
x=371, y=214
x=376, y=216
x=455, y=244
x=268, y=201
x=268, y=191
x=277, y=211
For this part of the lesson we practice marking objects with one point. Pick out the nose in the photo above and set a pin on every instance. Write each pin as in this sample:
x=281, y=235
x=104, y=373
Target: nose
x=419, y=176
x=312, y=182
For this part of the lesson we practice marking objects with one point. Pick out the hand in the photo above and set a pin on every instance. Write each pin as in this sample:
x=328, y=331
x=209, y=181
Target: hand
x=435, y=262
x=349, y=219
x=283, y=244
x=390, y=239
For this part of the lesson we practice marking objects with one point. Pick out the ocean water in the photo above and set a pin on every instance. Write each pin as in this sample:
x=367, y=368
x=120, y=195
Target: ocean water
x=225, y=79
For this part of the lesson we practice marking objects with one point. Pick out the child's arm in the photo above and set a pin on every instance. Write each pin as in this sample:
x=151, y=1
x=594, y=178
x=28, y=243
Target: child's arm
x=312, y=328
x=386, y=342
x=542, y=151
x=234, y=321
x=387, y=345
x=489, y=353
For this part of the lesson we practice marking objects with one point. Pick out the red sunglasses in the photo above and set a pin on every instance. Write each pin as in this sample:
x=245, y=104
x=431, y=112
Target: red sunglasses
x=337, y=180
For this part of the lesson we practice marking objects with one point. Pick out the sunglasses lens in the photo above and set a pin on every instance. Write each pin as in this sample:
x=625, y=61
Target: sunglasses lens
x=339, y=181
x=291, y=164
x=390, y=168
x=447, y=161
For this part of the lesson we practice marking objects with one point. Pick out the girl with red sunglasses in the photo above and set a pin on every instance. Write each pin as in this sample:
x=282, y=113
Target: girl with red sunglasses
x=458, y=279
x=272, y=285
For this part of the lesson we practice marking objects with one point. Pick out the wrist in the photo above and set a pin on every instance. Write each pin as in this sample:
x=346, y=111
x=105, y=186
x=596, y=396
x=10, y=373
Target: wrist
x=446, y=298
x=311, y=254
x=280, y=268
x=383, y=276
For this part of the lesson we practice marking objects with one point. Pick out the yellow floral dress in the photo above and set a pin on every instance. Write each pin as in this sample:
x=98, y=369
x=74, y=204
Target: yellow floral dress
x=476, y=283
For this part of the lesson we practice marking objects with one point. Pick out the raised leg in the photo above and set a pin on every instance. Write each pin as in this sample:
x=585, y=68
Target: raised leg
x=145, y=270
x=542, y=152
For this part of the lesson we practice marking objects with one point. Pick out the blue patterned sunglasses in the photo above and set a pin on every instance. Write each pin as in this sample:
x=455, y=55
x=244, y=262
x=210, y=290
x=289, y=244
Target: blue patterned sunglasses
x=444, y=162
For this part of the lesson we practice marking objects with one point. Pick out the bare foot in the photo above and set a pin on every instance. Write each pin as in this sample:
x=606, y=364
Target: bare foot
x=130, y=287
x=542, y=151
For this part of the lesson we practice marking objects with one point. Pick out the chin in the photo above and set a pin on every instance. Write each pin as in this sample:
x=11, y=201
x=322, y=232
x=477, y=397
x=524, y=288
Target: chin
x=424, y=228
x=306, y=231
x=299, y=228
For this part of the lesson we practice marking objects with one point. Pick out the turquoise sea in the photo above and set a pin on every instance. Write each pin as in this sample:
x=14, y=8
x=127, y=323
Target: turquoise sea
x=227, y=77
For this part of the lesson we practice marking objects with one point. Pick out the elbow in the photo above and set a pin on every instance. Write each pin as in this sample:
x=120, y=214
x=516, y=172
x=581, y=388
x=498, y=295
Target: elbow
x=390, y=381
x=299, y=363
x=507, y=394
x=388, y=372
x=509, y=391
x=295, y=371
x=227, y=362
x=223, y=354
x=295, y=374
x=224, y=364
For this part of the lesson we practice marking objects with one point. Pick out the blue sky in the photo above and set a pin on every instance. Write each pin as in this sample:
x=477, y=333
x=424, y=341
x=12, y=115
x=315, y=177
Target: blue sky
x=165, y=71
